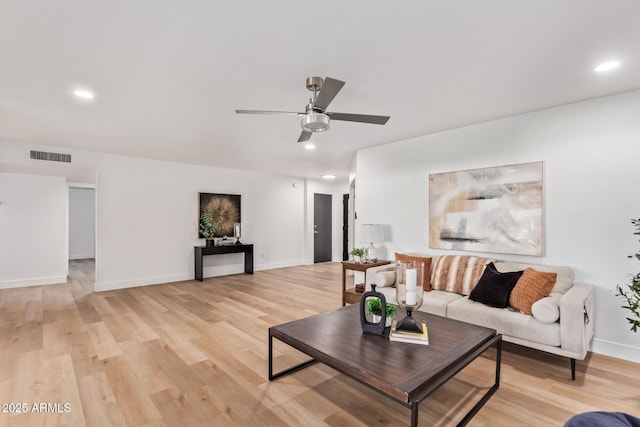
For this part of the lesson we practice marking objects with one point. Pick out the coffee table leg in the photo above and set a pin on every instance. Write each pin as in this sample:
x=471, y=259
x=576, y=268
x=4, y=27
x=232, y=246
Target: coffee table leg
x=498, y=362
x=414, y=414
x=491, y=391
x=290, y=370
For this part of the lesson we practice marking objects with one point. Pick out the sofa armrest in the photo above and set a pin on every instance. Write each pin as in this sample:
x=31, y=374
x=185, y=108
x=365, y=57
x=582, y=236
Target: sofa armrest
x=371, y=273
x=577, y=322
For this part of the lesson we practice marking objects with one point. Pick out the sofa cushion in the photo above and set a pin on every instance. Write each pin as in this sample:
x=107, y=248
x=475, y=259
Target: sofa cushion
x=532, y=286
x=436, y=302
x=385, y=279
x=506, y=321
x=457, y=273
x=494, y=288
x=564, y=279
x=426, y=284
x=547, y=309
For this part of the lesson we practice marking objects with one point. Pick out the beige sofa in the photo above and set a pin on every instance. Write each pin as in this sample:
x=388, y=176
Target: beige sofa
x=562, y=323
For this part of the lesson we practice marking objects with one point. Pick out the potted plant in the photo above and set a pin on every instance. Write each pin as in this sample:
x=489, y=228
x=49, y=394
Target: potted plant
x=208, y=228
x=632, y=296
x=374, y=307
x=357, y=253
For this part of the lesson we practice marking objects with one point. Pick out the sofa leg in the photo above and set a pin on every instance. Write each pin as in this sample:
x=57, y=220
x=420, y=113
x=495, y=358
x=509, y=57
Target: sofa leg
x=573, y=369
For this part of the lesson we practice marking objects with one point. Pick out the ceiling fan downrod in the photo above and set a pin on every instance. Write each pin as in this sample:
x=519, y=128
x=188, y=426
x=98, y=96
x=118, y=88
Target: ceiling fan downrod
x=315, y=120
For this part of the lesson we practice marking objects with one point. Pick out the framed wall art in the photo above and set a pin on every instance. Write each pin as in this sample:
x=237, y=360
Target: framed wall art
x=217, y=214
x=496, y=209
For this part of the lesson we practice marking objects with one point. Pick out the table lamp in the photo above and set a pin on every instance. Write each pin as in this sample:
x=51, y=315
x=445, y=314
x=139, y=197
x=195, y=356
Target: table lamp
x=371, y=233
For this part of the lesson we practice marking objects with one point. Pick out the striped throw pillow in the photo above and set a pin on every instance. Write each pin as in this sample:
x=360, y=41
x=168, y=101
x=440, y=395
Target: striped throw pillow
x=458, y=273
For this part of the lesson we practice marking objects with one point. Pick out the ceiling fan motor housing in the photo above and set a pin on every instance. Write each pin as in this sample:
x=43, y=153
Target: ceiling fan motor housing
x=315, y=122
x=314, y=83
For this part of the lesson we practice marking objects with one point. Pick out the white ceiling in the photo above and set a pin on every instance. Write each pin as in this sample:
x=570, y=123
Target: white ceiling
x=169, y=74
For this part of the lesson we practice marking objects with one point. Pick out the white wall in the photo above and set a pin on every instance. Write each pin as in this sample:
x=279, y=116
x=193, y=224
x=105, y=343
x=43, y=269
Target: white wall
x=81, y=223
x=148, y=218
x=33, y=230
x=147, y=215
x=590, y=152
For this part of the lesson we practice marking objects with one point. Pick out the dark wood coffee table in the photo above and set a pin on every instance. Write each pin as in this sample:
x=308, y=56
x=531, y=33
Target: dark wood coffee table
x=406, y=373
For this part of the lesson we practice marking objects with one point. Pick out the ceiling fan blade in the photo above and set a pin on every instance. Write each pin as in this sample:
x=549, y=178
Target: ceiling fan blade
x=329, y=90
x=289, y=113
x=304, y=136
x=362, y=118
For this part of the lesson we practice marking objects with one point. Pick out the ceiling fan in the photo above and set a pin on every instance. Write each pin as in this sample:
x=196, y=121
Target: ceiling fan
x=316, y=118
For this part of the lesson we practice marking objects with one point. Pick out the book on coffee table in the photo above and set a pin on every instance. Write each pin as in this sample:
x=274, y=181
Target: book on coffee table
x=409, y=337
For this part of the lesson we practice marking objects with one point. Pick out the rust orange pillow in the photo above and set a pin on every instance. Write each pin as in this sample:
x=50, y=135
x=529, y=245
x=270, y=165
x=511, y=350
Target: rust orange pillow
x=426, y=285
x=532, y=286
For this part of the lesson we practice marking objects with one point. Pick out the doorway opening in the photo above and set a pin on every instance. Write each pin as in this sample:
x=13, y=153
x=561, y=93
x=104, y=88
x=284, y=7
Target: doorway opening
x=82, y=232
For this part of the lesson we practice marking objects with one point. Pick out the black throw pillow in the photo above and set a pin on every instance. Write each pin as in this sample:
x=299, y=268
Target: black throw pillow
x=494, y=288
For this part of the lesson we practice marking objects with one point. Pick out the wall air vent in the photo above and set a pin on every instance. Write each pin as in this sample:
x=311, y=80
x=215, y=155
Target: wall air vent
x=52, y=157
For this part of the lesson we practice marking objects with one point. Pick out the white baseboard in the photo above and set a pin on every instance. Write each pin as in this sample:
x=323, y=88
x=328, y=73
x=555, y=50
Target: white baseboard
x=220, y=270
x=36, y=281
x=273, y=265
x=81, y=256
x=143, y=281
x=309, y=261
x=613, y=349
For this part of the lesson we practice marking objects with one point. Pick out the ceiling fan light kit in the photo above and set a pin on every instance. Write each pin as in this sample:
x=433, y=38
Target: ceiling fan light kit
x=316, y=118
x=315, y=122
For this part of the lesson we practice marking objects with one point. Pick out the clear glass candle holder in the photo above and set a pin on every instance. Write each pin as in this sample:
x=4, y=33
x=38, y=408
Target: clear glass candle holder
x=237, y=232
x=409, y=292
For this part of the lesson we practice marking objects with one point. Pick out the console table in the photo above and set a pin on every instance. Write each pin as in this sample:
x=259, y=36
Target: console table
x=200, y=251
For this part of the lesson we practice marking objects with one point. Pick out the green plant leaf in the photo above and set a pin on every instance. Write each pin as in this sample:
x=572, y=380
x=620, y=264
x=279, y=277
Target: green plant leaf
x=374, y=306
x=631, y=296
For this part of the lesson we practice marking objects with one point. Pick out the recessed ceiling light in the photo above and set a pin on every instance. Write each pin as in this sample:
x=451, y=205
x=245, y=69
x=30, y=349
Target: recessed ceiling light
x=83, y=94
x=309, y=146
x=607, y=66
x=329, y=176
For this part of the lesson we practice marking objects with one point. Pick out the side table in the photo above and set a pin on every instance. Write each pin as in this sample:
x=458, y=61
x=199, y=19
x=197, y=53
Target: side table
x=350, y=295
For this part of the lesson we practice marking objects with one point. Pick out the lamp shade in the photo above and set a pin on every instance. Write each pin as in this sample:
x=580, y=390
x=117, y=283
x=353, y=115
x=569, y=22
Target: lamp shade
x=371, y=233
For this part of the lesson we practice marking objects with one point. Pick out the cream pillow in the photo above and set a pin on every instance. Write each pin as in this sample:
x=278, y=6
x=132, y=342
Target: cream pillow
x=385, y=279
x=547, y=310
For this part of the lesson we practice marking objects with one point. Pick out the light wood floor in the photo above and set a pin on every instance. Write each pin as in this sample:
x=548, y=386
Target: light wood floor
x=191, y=353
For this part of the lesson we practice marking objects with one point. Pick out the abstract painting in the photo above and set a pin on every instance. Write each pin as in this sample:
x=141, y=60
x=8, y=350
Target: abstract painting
x=217, y=213
x=497, y=209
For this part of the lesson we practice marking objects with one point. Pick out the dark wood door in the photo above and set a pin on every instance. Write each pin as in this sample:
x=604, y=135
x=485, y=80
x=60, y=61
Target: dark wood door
x=321, y=227
x=345, y=227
